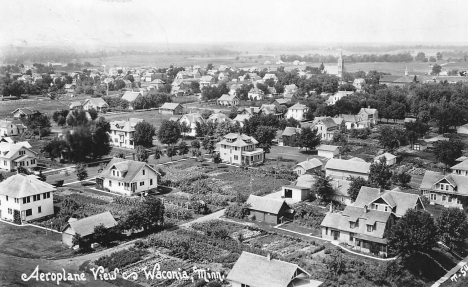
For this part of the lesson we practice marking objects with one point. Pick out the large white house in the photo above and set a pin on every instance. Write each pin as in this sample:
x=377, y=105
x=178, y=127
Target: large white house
x=238, y=148
x=191, y=121
x=11, y=128
x=122, y=132
x=298, y=112
x=31, y=197
x=127, y=177
x=14, y=155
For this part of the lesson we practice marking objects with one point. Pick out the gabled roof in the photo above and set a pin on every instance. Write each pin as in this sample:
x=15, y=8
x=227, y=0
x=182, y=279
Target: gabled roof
x=348, y=165
x=8, y=150
x=170, y=106
x=265, y=204
x=227, y=97
x=326, y=147
x=289, y=131
x=310, y=164
x=242, y=118
x=326, y=121
x=130, y=96
x=240, y=140
x=298, y=107
x=98, y=102
x=126, y=126
x=282, y=101
x=461, y=166
x=206, y=79
x=256, y=270
x=85, y=226
x=193, y=118
x=74, y=104
x=19, y=186
x=219, y=118
x=128, y=168
x=26, y=111
x=368, y=111
x=388, y=156
x=305, y=180
x=431, y=178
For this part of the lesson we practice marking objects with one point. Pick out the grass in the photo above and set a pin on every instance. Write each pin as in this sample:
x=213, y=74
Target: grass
x=301, y=229
x=435, y=209
x=17, y=241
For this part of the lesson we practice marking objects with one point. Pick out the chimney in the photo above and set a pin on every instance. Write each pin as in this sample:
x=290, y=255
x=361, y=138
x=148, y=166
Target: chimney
x=368, y=107
x=365, y=209
x=251, y=110
x=268, y=257
x=331, y=207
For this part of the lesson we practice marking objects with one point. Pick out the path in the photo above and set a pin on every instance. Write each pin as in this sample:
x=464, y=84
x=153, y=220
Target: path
x=453, y=272
x=212, y=216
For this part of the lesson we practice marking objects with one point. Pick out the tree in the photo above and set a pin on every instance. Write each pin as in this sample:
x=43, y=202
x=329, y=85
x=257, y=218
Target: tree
x=101, y=234
x=147, y=215
x=391, y=137
x=171, y=151
x=100, y=130
x=322, y=186
x=93, y=113
x=42, y=177
x=81, y=172
x=415, y=232
x=420, y=56
x=217, y=159
x=77, y=117
x=206, y=114
x=77, y=240
x=452, y=225
x=436, y=69
x=401, y=178
x=142, y=154
x=265, y=135
x=439, y=56
x=22, y=170
x=448, y=151
x=158, y=152
x=355, y=186
x=61, y=121
x=183, y=149
x=55, y=147
x=144, y=133
x=169, y=132
x=185, y=128
x=380, y=174
x=39, y=124
x=309, y=138
x=432, y=59
x=195, y=144
x=416, y=130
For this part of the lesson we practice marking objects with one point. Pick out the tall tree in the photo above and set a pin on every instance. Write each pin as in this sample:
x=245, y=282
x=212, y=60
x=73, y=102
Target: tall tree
x=265, y=135
x=169, y=132
x=415, y=232
x=448, y=151
x=355, y=186
x=142, y=154
x=380, y=174
x=100, y=136
x=148, y=215
x=144, y=133
x=452, y=225
x=158, y=152
x=309, y=138
x=183, y=149
x=322, y=186
x=81, y=172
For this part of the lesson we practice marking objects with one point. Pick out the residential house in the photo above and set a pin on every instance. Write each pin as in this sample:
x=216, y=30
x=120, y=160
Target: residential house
x=131, y=97
x=353, y=122
x=171, y=109
x=449, y=190
x=364, y=225
x=431, y=142
x=280, y=102
x=70, y=88
x=24, y=112
x=342, y=169
x=191, y=121
x=420, y=145
x=95, y=103
x=223, y=76
x=269, y=210
x=252, y=111
x=85, y=226
x=325, y=126
x=289, y=97
x=207, y=81
x=298, y=112
x=29, y=196
x=219, y=118
x=359, y=83
x=255, y=94
x=270, y=76
x=300, y=190
x=340, y=191
x=338, y=96
x=75, y=105
x=390, y=158
x=11, y=128
x=121, y=134
x=328, y=151
x=13, y=155
x=369, y=115
x=289, y=136
x=310, y=166
x=272, y=92
x=228, y=100
x=240, y=119
x=127, y=177
x=255, y=270
x=238, y=148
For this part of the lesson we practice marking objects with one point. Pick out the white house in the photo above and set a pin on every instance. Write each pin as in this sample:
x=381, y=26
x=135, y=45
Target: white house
x=328, y=151
x=131, y=97
x=238, y=148
x=309, y=166
x=95, y=103
x=338, y=96
x=298, y=112
x=121, y=133
x=191, y=121
x=326, y=127
x=359, y=83
x=127, y=177
x=11, y=128
x=29, y=196
x=390, y=158
x=15, y=155
x=228, y=100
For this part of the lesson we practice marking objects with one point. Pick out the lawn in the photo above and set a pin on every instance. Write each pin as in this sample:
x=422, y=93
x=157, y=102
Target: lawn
x=153, y=117
x=17, y=241
x=302, y=229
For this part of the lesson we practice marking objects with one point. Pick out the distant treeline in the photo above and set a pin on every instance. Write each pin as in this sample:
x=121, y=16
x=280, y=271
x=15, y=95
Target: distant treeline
x=403, y=57
x=361, y=49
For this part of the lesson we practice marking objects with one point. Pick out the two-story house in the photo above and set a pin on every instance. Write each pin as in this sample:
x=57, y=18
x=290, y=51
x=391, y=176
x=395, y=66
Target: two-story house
x=121, y=133
x=326, y=127
x=298, y=112
x=252, y=270
x=342, y=169
x=207, y=81
x=127, y=177
x=255, y=94
x=228, y=100
x=11, y=128
x=191, y=121
x=95, y=103
x=338, y=96
x=237, y=148
x=28, y=196
x=369, y=115
x=353, y=122
x=364, y=224
x=14, y=155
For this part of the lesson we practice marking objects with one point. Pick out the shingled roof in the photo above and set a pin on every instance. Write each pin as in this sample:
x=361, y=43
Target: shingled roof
x=129, y=169
x=265, y=204
x=19, y=186
x=310, y=164
x=348, y=165
x=459, y=181
x=85, y=226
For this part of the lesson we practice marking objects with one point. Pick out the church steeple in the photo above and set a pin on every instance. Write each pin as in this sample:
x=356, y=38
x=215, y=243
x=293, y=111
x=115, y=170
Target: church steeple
x=406, y=71
x=340, y=65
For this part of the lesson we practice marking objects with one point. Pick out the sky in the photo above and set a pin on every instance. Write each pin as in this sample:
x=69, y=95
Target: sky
x=113, y=22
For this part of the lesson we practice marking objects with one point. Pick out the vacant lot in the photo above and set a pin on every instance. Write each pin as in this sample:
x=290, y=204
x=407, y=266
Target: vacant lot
x=31, y=242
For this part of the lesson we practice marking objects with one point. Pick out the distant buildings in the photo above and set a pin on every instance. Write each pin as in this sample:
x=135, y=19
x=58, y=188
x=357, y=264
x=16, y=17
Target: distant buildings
x=228, y=100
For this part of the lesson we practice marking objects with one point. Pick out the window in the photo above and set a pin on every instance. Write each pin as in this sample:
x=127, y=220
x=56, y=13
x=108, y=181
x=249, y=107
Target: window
x=143, y=172
x=326, y=230
x=370, y=228
x=113, y=172
x=46, y=195
x=236, y=157
x=142, y=183
x=449, y=199
x=351, y=236
x=352, y=225
x=26, y=199
x=444, y=197
x=28, y=212
x=10, y=211
x=386, y=208
x=374, y=206
x=7, y=198
x=151, y=181
x=22, y=152
x=110, y=183
x=39, y=209
x=16, y=200
x=433, y=196
x=119, y=183
x=244, y=285
x=446, y=187
x=36, y=197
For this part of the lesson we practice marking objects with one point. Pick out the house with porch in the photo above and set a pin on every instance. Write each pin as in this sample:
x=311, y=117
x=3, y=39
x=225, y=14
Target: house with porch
x=252, y=270
x=127, y=177
x=256, y=94
x=14, y=155
x=85, y=226
x=24, y=113
x=369, y=115
x=95, y=103
x=121, y=133
x=228, y=100
x=11, y=128
x=298, y=112
x=28, y=196
x=449, y=190
x=236, y=148
x=326, y=127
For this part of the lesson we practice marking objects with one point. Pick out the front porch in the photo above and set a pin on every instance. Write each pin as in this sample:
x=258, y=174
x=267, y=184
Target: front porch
x=251, y=157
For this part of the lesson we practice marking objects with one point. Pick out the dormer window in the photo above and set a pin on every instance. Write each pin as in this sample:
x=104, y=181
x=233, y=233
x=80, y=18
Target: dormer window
x=370, y=228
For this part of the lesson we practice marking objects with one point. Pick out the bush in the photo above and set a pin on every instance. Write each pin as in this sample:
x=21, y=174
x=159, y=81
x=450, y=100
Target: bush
x=237, y=210
x=120, y=259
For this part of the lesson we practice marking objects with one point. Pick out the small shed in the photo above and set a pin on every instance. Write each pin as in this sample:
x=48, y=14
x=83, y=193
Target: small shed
x=269, y=210
x=390, y=158
x=328, y=151
x=85, y=226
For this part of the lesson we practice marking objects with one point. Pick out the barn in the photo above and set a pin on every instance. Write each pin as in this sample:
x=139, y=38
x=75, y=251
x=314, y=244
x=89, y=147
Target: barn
x=269, y=210
x=85, y=226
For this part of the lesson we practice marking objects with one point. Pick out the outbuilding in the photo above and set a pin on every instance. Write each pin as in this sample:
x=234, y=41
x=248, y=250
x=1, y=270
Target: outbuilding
x=328, y=151
x=269, y=210
x=85, y=227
